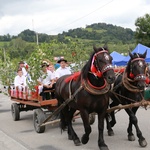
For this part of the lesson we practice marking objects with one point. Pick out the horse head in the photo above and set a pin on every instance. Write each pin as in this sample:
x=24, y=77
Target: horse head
x=136, y=69
x=101, y=64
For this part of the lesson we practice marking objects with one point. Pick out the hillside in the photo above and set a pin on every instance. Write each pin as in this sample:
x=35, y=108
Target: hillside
x=23, y=45
x=102, y=32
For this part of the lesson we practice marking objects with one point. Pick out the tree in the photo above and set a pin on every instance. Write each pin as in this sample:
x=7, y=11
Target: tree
x=142, y=34
x=27, y=35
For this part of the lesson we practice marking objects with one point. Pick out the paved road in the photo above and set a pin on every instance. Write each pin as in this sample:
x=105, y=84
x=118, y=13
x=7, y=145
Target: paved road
x=20, y=135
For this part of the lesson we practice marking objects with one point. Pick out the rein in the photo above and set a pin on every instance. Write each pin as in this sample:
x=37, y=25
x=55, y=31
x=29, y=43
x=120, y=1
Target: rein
x=119, y=95
x=125, y=82
x=66, y=102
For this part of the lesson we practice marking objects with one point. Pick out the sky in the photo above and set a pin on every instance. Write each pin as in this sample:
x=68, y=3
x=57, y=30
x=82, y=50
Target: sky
x=55, y=16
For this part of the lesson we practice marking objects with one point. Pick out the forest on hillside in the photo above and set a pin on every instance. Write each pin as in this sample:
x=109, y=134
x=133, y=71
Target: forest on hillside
x=101, y=32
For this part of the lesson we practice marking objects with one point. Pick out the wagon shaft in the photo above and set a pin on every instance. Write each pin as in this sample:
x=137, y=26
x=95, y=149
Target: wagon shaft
x=50, y=122
x=143, y=103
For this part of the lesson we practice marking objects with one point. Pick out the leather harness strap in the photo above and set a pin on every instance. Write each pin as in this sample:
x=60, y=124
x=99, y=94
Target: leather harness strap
x=95, y=91
x=130, y=87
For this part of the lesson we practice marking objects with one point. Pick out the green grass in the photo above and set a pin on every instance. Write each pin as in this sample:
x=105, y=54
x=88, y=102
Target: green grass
x=2, y=44
x=98, y=31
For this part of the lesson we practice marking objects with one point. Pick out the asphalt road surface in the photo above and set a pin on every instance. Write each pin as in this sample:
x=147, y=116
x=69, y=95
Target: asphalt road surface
x=20, y=135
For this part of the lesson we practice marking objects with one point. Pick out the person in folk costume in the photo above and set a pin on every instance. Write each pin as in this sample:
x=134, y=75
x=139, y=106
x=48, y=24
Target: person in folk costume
x=63, y=69
x=20, y=81
x=52, y=69
x=22, y=67
x=46, y=81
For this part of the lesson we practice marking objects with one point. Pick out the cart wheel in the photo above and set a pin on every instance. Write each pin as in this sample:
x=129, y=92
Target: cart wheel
x=15, y=111
x=91, y=118
x=38, y=118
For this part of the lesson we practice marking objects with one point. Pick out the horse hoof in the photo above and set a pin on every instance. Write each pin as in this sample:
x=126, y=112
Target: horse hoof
x=104, y=148
x=143, y=143
x=84, y=139
x=131, y=137
x=111, y=133
x=77, y=142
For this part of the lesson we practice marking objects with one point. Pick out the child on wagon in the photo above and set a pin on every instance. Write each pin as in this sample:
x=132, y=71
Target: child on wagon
x=46, y=81
x=20, y=81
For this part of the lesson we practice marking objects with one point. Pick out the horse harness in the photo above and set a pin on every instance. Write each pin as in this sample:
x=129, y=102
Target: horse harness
x=126, y=83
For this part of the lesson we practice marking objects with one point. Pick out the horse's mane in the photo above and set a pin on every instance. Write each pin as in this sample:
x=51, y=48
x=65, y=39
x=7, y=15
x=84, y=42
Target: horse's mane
x=86, y=67
x=128, y=66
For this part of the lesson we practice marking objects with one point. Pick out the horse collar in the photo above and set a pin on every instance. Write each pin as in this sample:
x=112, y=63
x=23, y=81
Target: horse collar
x=128, y=85
x=95, y=90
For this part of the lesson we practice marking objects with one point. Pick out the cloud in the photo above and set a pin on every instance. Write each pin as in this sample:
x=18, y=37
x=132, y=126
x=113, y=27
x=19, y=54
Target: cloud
x=56, y=16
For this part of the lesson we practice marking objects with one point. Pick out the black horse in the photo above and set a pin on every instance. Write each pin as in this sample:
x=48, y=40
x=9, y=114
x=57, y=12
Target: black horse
x=129, y=88
x=89, y=90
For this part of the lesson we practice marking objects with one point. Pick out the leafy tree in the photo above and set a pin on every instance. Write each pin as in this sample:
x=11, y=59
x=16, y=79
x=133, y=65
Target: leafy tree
x=142, y=34
x=28, y=35
x=7, y=69
x=19, y=48
x=5, y=38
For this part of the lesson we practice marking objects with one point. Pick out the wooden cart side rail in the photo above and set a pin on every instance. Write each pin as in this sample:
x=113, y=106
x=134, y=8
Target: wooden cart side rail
x=32, y=103
x=51, y=102
x=32, y=96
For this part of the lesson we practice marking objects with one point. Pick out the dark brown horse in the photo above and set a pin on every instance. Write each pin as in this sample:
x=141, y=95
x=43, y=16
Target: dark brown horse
x=129, y=88
x=89, y=91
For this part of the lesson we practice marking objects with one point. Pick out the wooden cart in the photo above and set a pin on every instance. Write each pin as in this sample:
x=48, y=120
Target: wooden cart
x=33, y=101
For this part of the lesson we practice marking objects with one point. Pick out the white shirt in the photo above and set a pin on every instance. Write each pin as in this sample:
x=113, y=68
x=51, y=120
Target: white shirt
x=54, y=74
x=20, y=81
x=62, y=71
x=46, y=78
x=24, y=71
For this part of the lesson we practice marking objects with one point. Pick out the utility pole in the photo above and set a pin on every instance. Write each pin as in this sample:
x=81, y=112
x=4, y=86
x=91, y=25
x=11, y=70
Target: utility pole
x=4, y=55
x=37, y=38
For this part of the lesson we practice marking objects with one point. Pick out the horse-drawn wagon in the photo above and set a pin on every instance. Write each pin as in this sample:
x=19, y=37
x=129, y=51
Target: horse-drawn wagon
x=25, y=101
x=91, y=90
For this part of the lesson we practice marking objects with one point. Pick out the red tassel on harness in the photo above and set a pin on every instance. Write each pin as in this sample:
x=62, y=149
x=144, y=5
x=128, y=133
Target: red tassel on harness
x=93, y=68
x=131, y=75
x=147, y=80
x=95, y=72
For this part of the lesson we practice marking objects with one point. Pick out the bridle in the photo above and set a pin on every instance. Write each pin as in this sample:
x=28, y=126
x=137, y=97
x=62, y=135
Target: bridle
x=95, y=69
x=138, y=77
x=98, y=73
x=127, y=81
